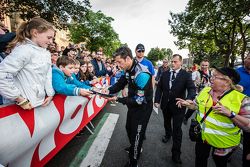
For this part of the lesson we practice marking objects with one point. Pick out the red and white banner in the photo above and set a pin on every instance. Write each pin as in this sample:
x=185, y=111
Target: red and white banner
x=33, y=137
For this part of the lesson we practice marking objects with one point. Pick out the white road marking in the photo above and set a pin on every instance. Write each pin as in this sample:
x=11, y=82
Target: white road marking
x=100, y=144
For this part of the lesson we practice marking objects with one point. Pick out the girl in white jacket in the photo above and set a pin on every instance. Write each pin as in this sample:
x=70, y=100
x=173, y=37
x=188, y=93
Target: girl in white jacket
x=25, y=74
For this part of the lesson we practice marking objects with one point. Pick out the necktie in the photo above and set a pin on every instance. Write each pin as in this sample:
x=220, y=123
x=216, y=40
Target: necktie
x=173, y=76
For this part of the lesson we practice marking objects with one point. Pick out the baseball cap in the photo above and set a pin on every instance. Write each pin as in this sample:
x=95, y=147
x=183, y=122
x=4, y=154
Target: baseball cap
x=230, y=72
x=140, y=47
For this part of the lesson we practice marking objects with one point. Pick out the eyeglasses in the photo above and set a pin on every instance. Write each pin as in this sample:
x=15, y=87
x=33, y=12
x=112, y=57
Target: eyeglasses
x=90, y=66
x=216, y=77
x=139, y=51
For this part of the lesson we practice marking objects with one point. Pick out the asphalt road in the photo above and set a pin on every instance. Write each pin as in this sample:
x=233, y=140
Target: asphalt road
x=155, y=153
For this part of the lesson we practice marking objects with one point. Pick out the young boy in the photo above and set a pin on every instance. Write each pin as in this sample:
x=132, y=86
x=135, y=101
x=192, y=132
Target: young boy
x=64, y=80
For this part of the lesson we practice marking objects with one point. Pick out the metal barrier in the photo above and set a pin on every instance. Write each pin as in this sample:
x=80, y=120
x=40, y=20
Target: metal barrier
x=33, y=137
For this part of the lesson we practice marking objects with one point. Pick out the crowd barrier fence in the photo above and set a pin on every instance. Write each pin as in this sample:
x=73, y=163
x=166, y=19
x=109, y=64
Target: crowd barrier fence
x=33, y=137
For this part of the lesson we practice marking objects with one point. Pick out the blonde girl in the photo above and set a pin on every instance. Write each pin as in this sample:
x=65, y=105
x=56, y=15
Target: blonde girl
x=25, y=74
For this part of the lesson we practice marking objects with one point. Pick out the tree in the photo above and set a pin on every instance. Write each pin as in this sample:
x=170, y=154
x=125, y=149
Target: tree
x=217, y=27
x=167, y=53
x=96, y=31
x=58, y=12
x=156, y=54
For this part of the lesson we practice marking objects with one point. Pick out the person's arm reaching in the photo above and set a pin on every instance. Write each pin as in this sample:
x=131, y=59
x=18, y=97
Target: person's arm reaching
x=119, y=85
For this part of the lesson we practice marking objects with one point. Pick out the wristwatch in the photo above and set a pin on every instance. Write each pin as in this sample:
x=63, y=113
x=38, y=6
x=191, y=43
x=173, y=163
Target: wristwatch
x=232, y=115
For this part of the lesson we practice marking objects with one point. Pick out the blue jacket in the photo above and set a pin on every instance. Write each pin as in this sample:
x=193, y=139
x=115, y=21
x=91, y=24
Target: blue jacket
x=149, y=65
x=244, y=80
x=69, y=86
x=98, y=72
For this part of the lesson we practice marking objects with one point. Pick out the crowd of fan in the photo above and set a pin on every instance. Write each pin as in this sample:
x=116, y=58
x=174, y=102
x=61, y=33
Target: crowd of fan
x=33, y=69
x=85, y=69
x=72, y=70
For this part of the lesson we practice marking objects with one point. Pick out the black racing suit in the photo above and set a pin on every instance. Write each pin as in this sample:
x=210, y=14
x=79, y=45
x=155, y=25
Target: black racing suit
x=140, y=104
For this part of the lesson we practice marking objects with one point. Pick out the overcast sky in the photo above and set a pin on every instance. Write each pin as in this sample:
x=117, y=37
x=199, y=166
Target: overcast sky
x=142, y=21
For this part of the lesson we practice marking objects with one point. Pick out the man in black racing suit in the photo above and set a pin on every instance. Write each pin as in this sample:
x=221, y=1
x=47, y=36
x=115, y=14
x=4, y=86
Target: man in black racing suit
x=139, y=99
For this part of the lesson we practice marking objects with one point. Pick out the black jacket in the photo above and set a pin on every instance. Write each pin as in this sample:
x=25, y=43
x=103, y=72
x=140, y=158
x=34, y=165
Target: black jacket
x=161, y=69
x=133, y=90
x=183, y=82
x=99, y=72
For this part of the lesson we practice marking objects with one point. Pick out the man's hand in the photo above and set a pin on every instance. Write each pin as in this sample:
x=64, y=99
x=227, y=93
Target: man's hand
x=105, y=91
x=181, y=102
x=157, y=105
x=124, y=92
x=47, y=101
x=112, y=99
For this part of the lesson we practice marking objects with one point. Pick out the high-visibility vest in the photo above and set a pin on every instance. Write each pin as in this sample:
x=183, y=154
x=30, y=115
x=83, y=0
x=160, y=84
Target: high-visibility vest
x=218, y=130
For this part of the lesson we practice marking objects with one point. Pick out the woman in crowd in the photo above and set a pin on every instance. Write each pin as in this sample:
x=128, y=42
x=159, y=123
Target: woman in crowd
x=221, y=128
x=90, y=72
x=82, y=75
x=25, y=74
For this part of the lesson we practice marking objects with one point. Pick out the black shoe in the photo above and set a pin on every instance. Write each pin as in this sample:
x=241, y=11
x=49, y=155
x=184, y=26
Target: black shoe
x=176, y=159
x=127, y=149
x=165, y=139
x=185, y=121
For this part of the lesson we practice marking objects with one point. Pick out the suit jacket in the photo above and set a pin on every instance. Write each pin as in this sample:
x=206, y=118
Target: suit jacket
x=182, y=82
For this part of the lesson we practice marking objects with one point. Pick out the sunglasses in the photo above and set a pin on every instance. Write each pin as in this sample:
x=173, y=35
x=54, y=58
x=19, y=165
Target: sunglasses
x=139, y=51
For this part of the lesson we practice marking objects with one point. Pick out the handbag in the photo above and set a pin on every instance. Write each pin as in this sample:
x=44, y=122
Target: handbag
x=195, y=131
x=195, y=126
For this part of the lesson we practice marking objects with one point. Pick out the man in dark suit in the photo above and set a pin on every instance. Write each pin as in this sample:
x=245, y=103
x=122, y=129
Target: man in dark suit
x=173, y=84
x=99, y=67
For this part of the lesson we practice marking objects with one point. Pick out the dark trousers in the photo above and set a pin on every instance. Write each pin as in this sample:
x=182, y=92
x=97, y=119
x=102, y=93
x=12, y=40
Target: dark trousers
x=246, y=149
x=137, y=120
x=202, y=151
x=172, y=112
